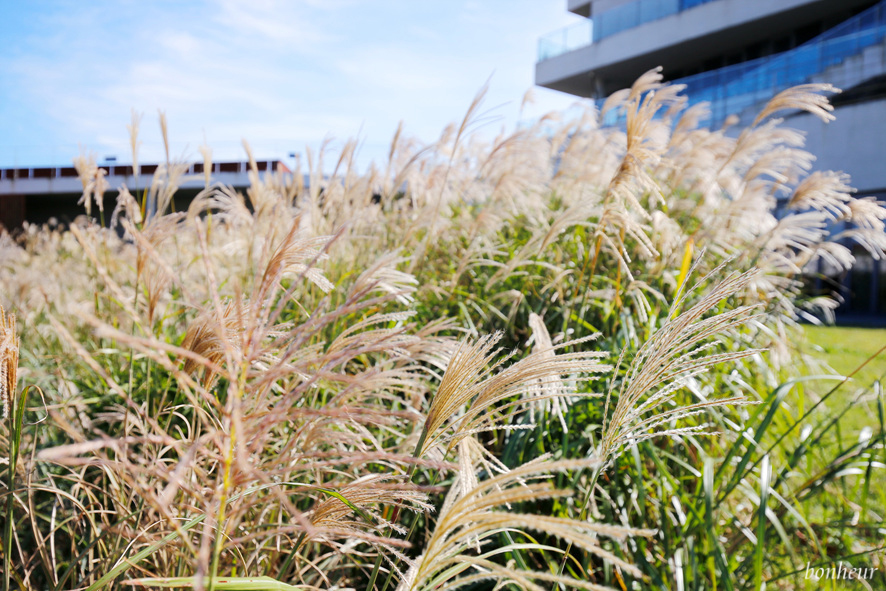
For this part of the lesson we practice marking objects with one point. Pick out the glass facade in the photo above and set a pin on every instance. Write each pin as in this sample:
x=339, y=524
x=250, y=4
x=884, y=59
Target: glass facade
x=686, y=4
x=734, y=88
x=634, y=14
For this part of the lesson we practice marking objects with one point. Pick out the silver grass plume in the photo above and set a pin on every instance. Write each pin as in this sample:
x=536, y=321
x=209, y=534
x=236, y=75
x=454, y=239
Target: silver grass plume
x=470, y=389
x=9, y=345
x=549, y=392
x=675, y=353
x=452, y=559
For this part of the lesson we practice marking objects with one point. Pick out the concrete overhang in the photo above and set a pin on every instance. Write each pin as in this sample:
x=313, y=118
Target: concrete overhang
x=579, y=7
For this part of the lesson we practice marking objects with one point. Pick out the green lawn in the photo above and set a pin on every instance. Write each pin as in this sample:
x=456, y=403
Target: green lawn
x=844, y=349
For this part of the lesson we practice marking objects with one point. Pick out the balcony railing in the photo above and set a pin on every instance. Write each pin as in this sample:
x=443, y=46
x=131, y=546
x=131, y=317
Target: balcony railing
x=733, y=89
x=634, y=14
x=606, y=24
x=565, y=40
x=145, y=170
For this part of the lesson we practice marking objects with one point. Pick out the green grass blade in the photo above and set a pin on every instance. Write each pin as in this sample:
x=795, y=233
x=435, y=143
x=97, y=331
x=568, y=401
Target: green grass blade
x=366, y=516
x=16, y=419
x=765, y=477
x=224, y=583
x=719, y=560
x=126, y=564
x=774, y=403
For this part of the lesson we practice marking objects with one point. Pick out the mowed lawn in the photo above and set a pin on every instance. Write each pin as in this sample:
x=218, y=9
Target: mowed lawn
x=846, y=348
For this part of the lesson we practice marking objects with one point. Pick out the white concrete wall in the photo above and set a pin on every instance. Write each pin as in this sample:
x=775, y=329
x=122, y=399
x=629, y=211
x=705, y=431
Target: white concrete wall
x=854, y=143
x=41, y=186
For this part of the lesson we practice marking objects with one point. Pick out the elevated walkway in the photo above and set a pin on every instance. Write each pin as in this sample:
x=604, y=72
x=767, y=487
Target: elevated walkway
x=37, y=194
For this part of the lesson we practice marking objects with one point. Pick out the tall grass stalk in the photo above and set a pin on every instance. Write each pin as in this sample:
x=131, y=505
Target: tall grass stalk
x=397, y=371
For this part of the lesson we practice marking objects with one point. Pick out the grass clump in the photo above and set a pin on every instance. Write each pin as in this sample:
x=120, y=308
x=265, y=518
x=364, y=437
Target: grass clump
x=567, y=357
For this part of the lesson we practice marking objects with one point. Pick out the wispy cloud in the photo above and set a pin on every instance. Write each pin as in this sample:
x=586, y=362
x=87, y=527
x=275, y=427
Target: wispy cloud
x=279, y=73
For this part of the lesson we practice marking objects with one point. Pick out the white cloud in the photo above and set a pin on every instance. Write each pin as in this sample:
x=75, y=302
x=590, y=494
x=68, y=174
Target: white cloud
x=268, y=22
x=280, y=73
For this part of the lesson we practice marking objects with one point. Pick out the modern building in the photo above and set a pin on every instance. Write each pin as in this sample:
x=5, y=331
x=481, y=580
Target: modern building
x=37, y=194
x=736, y=55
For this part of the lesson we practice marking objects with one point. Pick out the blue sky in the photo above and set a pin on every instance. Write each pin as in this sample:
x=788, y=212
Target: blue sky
x=282, y=74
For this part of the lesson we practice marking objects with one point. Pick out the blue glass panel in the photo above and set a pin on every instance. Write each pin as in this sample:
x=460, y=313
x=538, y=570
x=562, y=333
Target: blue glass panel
x=734, y=88
x=687, y=4
x=633, y=14
x=565, y=40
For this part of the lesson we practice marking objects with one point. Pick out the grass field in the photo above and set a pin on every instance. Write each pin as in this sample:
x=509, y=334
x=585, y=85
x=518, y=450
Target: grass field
x=529, y=364
x=845, y=349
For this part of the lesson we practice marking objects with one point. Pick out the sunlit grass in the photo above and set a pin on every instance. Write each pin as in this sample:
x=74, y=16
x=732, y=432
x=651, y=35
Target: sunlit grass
x=568, y=358
x=847, y=348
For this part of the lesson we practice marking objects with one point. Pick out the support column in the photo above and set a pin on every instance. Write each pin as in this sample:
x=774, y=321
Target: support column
x=12, y=211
